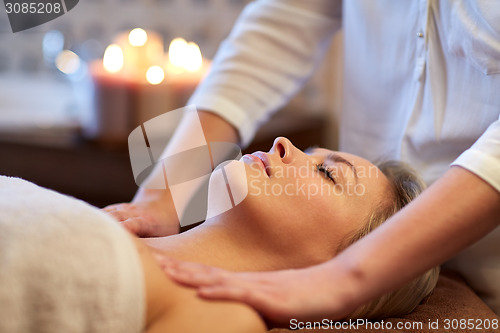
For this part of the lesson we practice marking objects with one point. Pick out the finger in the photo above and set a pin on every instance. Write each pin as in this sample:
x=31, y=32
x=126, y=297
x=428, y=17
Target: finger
x=240, y=285
x=227, y=291
x=110, y=208
x=116, y=207
x=195, y=268
x=117, y=214
x=165, y=261
x=133, y=225
x=256, y=296
x=139, y=225
x=261, y=298
x=194, y=275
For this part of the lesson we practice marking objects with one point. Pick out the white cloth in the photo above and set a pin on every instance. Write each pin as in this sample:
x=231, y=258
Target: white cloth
x=64, y=265
x=421, y=78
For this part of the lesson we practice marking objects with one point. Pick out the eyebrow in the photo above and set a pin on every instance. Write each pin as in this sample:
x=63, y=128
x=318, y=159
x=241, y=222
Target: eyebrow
x=335, y=158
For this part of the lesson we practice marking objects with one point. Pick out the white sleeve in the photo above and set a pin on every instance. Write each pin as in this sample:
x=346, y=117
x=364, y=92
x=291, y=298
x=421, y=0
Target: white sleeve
x=483, y=158
x=273, y=48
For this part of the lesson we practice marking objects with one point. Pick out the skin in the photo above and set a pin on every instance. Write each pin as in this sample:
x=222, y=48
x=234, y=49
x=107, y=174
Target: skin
x=420, y=236
x=263, y=233
x=152, y=213
x=426, y=233
x=170, y=307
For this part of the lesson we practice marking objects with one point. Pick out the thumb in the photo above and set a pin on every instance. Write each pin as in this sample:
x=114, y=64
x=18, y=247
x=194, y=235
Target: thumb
x=135, y=226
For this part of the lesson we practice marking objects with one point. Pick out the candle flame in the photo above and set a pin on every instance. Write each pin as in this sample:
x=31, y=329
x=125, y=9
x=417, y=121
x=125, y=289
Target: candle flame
x=137, y=37
x=176, y=51
x=155, y=75
x=185, y=55
x=193, y=60
x=113, y=58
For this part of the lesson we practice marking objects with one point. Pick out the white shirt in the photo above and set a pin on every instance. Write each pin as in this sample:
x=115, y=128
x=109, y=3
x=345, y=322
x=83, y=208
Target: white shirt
x=421, y=80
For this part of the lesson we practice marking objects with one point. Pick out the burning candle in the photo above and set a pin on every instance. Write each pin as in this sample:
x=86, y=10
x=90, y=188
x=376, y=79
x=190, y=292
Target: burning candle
x=184, y=65
x=141, y=50
x=136, y=81
x=113, y=59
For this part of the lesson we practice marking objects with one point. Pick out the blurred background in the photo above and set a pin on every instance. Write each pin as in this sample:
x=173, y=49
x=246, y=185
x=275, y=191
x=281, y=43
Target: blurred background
x=65, y=117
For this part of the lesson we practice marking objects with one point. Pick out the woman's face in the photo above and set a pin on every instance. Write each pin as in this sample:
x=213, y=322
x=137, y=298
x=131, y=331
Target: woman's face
x=309, y=200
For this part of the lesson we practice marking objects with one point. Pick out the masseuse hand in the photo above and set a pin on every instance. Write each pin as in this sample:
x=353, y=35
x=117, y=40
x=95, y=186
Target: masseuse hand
x=148, y=215
x=152, y=212
x=302, y=294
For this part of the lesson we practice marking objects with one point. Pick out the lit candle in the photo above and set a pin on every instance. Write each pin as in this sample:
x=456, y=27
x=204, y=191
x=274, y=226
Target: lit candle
x=141, y=49
x=114, y=98
x=137, y=81
x=113, y=59
x=113, y=102
x=184, y=65
x=171, y=86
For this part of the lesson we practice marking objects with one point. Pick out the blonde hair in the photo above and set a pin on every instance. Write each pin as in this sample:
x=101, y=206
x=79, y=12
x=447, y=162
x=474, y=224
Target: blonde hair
x=405, y=185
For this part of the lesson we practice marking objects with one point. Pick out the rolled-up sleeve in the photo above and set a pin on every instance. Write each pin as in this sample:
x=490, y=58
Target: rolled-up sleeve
x=483, y=157
x=273, y=48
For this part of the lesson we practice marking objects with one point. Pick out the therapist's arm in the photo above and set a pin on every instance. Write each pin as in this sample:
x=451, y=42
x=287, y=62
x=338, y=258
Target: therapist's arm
x=152, y=212
x=456, y=211
x=273, y=48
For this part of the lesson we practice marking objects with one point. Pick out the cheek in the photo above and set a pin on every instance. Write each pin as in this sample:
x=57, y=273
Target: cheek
x=333, y=216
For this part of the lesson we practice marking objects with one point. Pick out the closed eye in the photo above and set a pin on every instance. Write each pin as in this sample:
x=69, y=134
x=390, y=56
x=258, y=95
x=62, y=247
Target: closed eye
x=323, y=169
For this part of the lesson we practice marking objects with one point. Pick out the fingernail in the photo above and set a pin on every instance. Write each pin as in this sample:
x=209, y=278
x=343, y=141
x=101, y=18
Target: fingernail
x=159, y=257
x=204, y=291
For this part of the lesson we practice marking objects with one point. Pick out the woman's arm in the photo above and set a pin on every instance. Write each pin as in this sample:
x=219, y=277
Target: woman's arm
x=453, y=213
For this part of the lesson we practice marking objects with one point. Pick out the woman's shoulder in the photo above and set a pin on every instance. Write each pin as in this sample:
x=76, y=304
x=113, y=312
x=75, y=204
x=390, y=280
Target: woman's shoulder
x=198, y=315
x=172, y=307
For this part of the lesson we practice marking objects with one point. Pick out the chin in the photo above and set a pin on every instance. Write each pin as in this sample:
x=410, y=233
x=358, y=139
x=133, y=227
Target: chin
x=228, y=187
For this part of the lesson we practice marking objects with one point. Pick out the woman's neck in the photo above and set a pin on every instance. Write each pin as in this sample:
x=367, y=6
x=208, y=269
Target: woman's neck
x=221, y=242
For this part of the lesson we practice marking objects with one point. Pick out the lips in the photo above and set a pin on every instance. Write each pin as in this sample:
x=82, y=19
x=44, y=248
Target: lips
x=265, y=161
x=260, y=157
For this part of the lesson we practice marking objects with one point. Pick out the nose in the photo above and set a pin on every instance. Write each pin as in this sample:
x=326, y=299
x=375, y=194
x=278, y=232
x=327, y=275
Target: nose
x=284, y=148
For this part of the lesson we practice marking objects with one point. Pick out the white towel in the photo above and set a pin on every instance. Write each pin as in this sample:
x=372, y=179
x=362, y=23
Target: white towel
x=64, y=265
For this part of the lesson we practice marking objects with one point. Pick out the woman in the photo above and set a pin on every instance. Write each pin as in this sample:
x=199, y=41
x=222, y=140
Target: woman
x=327, y=201
x=416, y=82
